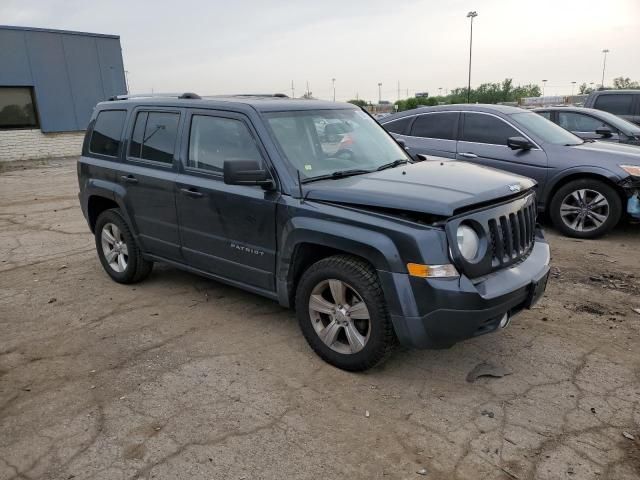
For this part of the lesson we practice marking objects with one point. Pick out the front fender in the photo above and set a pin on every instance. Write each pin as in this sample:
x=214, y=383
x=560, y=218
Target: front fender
x=374, y=247
x=558, y=177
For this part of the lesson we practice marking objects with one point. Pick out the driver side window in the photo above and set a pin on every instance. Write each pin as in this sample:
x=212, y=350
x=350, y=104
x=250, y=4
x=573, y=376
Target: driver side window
x=212, y=140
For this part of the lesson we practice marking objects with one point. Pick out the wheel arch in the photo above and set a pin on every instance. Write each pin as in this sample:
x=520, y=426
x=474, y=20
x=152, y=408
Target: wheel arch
x=312, y=240
x=601, y=175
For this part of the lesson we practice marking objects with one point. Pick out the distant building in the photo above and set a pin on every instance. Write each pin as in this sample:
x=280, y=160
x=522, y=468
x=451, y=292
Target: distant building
x=50, y=80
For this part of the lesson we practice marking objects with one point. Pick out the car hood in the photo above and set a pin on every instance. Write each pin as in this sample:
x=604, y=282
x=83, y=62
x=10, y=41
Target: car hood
x=433, y=187
x=610, y=149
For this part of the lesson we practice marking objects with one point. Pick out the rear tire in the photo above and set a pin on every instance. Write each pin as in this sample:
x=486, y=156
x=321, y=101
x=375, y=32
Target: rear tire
x=348, y=310
x=585, y=208
x=117, y=249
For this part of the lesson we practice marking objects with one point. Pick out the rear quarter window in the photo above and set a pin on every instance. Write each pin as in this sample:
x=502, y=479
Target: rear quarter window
x=107, y=132
x=618, y=104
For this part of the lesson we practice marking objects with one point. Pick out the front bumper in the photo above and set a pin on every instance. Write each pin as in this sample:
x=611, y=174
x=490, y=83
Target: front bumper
x=437, y=313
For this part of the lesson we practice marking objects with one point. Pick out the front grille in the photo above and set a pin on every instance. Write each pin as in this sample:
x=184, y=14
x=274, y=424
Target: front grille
x=507, y=231
x=512, y=235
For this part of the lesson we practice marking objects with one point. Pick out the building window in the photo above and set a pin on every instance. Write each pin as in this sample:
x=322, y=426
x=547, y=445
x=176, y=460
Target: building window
x=17, y=109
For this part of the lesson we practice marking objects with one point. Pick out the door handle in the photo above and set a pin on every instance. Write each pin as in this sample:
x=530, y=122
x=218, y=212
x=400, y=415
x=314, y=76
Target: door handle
x=190, y=192
x=129, y=179
x=468, y=155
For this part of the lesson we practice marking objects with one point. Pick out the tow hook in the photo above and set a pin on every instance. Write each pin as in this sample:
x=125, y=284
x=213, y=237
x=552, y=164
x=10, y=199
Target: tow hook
x=505, y=320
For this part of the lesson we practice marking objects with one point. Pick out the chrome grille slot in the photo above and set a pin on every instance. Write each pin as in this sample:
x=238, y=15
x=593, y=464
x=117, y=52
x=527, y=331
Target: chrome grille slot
x=507, y=232
x=514, y=237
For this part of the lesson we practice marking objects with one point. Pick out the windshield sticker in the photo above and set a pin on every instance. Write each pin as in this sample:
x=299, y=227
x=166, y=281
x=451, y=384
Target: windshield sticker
x=308, y=167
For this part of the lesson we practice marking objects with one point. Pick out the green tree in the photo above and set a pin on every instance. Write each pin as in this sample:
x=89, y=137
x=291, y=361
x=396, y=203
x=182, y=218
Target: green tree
x=625, y=82
x=359, y=102
x=583, y=89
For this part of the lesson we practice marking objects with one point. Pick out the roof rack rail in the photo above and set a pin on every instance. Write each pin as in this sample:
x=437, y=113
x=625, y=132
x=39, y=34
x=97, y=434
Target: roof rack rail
x=185, y=95
x=253, y=95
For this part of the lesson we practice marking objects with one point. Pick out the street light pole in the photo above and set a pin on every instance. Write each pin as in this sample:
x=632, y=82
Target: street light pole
x=544, y=85
x=573, y=85
x=604, y=65
x=470, y=15
x=379, y=93
x=333, y=81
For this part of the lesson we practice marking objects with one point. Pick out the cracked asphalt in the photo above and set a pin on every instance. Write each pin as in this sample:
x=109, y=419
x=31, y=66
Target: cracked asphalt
x=181, y=377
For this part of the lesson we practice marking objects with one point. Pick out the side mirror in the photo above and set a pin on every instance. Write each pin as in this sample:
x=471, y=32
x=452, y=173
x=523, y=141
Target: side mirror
x=519, y=143
x=604, y=132
x=403, y=145
x=246, y=172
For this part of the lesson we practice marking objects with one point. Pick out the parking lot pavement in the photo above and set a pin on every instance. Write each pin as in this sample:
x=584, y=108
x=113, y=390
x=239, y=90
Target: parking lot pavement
x=182, y=377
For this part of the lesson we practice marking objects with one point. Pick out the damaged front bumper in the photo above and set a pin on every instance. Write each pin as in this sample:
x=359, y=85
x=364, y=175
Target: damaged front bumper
x=631, y=187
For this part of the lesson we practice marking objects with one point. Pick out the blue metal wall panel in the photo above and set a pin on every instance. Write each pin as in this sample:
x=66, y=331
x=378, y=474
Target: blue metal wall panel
x=69, y=71
x=111, y=66
x=14, y=61
x=52, y=87
x=85, y=79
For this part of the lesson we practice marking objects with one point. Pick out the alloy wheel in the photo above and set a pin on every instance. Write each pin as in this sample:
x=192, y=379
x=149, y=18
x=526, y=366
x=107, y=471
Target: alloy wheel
x=339, y=316
x=584, y=210
x=114, y=247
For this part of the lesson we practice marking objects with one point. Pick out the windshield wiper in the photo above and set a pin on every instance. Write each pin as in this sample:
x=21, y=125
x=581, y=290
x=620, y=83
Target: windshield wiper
x=393, y=164
x=337, y=174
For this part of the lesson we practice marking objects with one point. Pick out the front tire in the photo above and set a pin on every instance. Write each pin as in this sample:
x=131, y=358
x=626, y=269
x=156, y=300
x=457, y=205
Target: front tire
x=117, y=249
x=585, y=208
x=342, y=313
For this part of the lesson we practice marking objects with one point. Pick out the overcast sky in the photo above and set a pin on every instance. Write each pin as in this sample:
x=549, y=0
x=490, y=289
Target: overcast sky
x=214, y=47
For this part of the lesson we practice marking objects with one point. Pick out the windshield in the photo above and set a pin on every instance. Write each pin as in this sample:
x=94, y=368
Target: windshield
x=545, y=130
x=323, y=142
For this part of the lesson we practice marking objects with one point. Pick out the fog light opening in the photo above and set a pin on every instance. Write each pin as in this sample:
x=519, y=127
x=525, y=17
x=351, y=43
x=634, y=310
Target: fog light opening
x=505, y=320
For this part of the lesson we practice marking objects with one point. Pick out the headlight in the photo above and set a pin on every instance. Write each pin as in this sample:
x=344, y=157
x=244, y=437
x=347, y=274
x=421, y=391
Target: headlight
x=468, y=242
x=633, y=170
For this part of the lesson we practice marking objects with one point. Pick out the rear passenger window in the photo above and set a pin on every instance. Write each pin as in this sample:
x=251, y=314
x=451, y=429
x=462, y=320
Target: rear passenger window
x=399, y=126
x=436, y=125
x=546, y=115
x=154, y=136
x=212, y=140
x=618, y=104
x=480, y=128
x=105, y=138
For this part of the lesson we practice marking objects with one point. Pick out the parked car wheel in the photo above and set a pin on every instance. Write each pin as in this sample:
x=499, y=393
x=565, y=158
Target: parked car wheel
x=342, y=313
x=585, y=208
x=117, y=249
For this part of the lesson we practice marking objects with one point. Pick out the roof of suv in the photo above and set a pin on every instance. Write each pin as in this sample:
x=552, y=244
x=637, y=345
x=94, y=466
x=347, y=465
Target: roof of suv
x=471, y=107
x=261, y=103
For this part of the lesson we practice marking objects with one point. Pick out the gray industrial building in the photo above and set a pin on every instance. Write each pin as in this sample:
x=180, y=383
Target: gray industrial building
x=50, y=80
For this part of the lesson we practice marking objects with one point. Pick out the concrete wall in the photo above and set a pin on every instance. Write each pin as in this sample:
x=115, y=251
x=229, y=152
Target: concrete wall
x=33, y=144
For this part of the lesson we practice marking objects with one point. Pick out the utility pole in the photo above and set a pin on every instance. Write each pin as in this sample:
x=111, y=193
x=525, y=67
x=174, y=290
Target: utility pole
x=308, y=92
x=604, y=65
x=293, y=92
x=470, y=15
x=333, y=81
x=379, y=92
x=573, y=85
x=544, y=85
x=398, y=89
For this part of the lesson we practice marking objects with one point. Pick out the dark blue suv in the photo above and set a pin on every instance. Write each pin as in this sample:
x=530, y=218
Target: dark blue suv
x=585, y=186
x=314, y=205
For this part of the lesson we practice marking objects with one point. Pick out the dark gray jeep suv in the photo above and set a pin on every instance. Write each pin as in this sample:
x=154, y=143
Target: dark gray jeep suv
x=368, y=246
x=584, y=186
